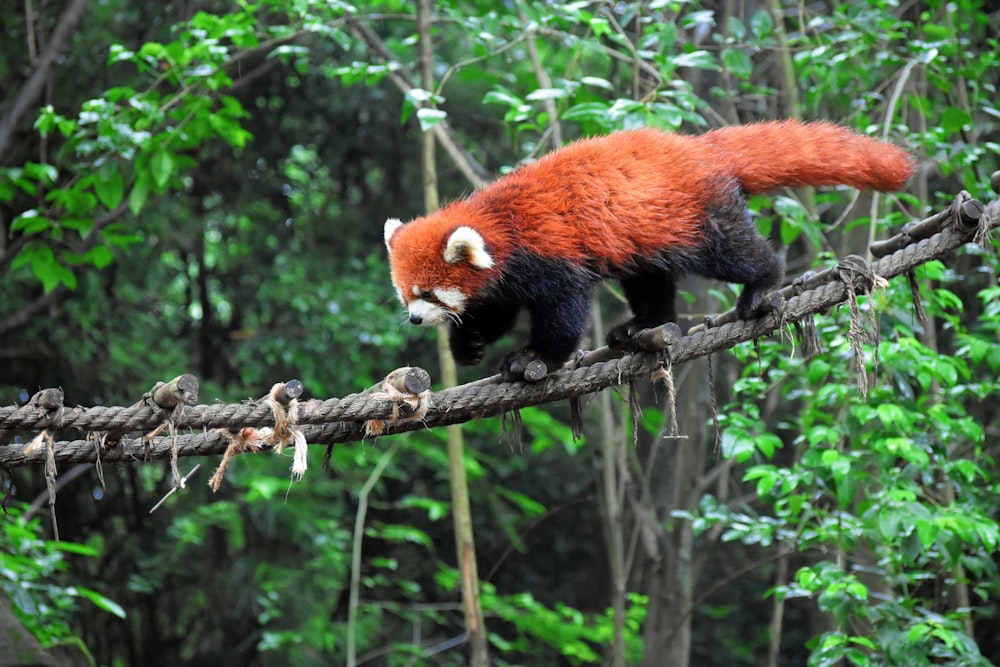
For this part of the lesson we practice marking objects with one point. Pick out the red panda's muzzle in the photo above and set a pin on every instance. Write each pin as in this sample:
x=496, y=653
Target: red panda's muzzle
x=432, y=307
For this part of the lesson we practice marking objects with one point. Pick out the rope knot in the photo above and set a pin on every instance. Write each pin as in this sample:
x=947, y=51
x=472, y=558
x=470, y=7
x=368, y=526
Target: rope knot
x=286, y=414
x=858, y=275
x=408, y=389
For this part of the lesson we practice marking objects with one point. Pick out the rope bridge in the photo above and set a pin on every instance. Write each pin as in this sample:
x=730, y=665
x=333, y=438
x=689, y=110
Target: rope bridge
x=151, y=429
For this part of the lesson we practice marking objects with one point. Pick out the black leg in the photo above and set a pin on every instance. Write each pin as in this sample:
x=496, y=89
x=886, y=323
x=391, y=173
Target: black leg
x=557, y=295
x=651, y=294
x=558, y=323
x=478, y=328
x=736, y=252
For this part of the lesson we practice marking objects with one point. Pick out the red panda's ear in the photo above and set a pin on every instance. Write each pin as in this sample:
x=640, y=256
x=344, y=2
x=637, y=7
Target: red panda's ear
x=391, y=225
x=465, y=243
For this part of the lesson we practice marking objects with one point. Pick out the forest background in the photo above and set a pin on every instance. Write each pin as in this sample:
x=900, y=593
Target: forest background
x=200, y=187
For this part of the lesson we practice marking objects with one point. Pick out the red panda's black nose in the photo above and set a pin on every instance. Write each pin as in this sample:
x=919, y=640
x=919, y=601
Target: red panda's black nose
x=415, y=318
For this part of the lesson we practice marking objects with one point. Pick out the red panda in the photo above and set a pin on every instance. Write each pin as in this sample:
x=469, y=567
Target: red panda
x=643, y=206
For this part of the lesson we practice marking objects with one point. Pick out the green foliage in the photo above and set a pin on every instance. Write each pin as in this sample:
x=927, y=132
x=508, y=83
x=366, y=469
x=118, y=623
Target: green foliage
x=859, y=487
x=135, y=139
x=563, y=630
x=34, y=574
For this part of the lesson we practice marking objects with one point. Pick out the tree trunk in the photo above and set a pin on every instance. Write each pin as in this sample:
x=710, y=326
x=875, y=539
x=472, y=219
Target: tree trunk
x=667, y=632
x=475, y=630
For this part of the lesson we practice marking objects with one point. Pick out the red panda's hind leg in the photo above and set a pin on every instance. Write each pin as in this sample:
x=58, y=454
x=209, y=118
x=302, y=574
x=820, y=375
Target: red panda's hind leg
x=650, y=294
x=735, y=251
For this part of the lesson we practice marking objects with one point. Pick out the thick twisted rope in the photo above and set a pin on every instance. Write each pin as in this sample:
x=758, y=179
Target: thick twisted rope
x=343, y=420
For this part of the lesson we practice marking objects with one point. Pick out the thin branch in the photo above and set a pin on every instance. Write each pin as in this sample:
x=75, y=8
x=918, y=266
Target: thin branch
x=29, y=24
x=456, y=67
x=722, y=583
x=535, y=523
x=30, y=311
x=472, y=170
x=542, y=75
x=890, y=112
x=35, y=84
x=359, y=534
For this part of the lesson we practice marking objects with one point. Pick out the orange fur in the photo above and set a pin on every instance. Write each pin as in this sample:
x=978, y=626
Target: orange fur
x=765, y=156
x=631, y=194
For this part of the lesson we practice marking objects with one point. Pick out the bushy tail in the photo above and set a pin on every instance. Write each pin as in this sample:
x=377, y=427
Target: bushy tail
x=765, y=156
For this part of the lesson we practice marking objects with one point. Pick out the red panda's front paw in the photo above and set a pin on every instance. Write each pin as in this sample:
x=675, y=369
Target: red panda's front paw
x=468, y=351
x=523, y=365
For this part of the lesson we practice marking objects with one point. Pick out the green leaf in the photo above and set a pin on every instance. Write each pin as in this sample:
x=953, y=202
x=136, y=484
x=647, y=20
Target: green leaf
x=737, y=443
x=737, y=62
x=891, y=415
x=502, y=97
x=43, y=173
x=596, y=112
x=74, y=548
x=47, y=119
x=927, y=532
x=600, y=26
x=140, y=193
x=818, y=369
x=110, y=186
x=696, y=60
x=530, y=507
x=100, y=601
x=889, y=522
x=416, y=99
x=918, y=632
x=161, y=166
x=436, y=509
x=736, y=28
x=597, y=82
x=100, y=256
x=547, y=94
x=30, y=222
x=288, y=51
x=761, y=23
x=768, y=443
x=767, y=478
x=400, y=533
x=795, y=220
x=857, y=590
x=48, y=270
x=428, y=117
x=117, y=235
x=118, y=53
x=232, y=132
x=954, y=120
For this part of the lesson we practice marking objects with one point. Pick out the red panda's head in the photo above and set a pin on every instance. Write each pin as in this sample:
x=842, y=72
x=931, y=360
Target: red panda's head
x=436, y=268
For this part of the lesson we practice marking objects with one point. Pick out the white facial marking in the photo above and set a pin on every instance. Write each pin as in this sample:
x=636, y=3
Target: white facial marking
x=391, y=225
x=415, y=290
x=428, y=314
x=453, y=298
x=466, y=243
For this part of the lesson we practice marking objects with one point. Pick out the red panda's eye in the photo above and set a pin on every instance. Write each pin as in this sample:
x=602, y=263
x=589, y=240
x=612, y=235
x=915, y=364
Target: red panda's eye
x=426, y=296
